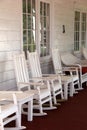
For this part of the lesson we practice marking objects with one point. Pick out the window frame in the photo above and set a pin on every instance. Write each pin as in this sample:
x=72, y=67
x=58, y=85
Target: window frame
x=37, y=27
x=80, y=30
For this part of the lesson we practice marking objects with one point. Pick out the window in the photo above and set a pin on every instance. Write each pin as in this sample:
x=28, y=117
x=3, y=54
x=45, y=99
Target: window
x=44, y=28
x=29, y=25
x=83, y=29
x=79, y=30
x=41, y=39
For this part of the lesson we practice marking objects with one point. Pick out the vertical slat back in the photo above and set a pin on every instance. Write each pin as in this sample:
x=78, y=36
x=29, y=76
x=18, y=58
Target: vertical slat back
x=21, y=69
x=34, y=63
x=56, y=60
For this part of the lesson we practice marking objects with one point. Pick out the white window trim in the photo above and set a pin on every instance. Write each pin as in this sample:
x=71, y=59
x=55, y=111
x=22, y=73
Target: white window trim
x=45, y=58
x=81, y=11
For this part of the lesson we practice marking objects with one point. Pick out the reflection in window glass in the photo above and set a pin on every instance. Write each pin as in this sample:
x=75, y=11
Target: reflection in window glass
x=33, y=7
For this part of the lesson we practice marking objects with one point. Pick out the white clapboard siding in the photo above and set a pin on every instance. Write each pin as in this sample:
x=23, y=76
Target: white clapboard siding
x=6, y=66
x=7, y=25
x=4, y=76
x=64, y=16
x=11, y=45
x=10, y=41
x=8, y=85
x=7, y=56
x=10, y=9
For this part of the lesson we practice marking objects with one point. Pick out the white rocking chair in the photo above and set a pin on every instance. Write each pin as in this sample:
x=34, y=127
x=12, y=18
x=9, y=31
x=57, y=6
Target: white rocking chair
x=69, y=59
x=59, y=69
x=9, y=112
x=55, y=80
x=41, y=91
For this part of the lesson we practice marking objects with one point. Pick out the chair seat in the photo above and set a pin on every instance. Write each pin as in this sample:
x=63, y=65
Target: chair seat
x=57, y=86
x=65, y=78
x=7, y=109
x=43, y=93
x=75, y=77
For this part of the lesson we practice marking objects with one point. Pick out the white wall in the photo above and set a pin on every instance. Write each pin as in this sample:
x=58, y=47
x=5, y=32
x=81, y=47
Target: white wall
x=10, y=40
x=64, y=15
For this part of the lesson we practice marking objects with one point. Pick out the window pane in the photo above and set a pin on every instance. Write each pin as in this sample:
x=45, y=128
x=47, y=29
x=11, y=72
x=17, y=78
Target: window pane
x=33, y=22
x=29, y=6
x=33, y=37
x=24, y=6
x=29, y=21
x=44, y=9
x=40, y=8
x=44, y=23
x=44, y=29
x=24, y=21
x=83, y=16
x=77, y=16
x=76, y=31
x=29, y=37
x=48, y=23
x=48, y=10
x=33, y=6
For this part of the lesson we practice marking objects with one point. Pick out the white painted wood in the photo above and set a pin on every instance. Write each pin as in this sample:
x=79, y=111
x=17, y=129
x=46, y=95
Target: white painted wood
x=8, y=85
x=56, y=87
x=58, y=69
x=41, y=91
x=10, y=41
x=10, y=109
x=74, y=61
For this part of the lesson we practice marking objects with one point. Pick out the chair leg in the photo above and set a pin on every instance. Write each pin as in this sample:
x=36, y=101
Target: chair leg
x=18, y=120
x=54, y=98
x=41, y=113
x=62, y=97
x=1, y=124
x=71, y=89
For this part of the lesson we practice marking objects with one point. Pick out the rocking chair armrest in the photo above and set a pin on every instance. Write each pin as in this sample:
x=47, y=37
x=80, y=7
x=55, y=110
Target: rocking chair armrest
x=31, y=83
x=46, y=78
x=10, y=92
x=75, y=65
x=59, y=72
x=71, y=69
x=49, y=75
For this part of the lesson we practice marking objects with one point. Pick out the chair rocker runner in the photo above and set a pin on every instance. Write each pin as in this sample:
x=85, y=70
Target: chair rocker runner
x=60, y=70
x=55, y=80
x=41, y=91
x=9, y=112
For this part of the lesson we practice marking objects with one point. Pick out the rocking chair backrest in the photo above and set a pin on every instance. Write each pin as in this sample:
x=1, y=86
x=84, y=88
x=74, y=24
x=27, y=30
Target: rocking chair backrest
x=56, y=61
x=84, y=51
x=21, y=69
x=34, y=63
x=69, y=59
